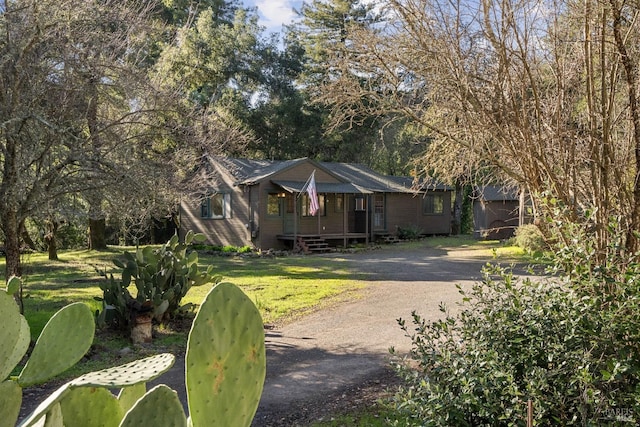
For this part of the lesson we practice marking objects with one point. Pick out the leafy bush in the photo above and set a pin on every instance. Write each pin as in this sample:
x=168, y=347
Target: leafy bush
x=227, y=249
x=410, y=232
x=576, y=355
x=530, y=238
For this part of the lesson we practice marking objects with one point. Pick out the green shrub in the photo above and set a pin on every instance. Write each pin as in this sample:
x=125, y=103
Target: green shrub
x=410, y=232
x=530, y=238
x=576, y=356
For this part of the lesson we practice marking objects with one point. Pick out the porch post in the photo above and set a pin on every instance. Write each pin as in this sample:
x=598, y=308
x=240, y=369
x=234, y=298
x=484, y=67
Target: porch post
x=319, y=233
x=345, y=218
x=366, y=222
x=295, y=221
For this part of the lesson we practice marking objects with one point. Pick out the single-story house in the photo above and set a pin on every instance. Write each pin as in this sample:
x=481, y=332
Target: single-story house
x=497, y=212
x=263, y=204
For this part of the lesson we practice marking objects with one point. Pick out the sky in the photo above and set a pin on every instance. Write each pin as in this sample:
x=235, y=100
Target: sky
x=274, y=13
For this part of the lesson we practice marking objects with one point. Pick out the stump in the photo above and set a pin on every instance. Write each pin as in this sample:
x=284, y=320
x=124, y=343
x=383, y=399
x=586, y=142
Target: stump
x=141, y=329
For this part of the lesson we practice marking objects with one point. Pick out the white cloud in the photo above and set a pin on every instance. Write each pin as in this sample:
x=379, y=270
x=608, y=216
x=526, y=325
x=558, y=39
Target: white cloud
x=275, y=13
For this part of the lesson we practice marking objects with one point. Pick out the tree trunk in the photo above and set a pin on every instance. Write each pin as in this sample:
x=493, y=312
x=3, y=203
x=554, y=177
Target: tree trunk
x=97, y=231
x=13, y=267
x=26, y=239
x=630, y=68
x=50, y=239
x=456, y=223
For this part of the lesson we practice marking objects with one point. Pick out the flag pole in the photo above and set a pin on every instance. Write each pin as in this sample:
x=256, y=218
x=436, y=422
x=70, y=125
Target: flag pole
x=295, y=210
x=306, y=184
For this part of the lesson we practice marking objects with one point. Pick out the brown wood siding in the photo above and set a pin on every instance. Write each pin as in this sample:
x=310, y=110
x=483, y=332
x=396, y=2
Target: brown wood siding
x=249, y=223
x=490, y=214
x=405, y=211
x=225, y=231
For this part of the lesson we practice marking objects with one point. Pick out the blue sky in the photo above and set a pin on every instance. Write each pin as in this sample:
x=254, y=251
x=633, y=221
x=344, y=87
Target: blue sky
x=275, y=13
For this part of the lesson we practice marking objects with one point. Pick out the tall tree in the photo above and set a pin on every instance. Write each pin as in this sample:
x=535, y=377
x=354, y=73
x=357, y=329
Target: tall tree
x=322, y=33
x=75, y=107
x=544, y=94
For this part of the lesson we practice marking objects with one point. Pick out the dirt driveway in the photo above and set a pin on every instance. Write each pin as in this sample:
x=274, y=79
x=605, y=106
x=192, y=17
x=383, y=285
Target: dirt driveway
x=318, y=363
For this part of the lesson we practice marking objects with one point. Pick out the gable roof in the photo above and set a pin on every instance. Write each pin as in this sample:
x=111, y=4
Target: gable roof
x=357, y=178
x=249, y=171
x=493, y=193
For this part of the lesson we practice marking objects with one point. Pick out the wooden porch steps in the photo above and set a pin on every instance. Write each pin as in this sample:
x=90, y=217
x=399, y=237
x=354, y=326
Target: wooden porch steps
x=309, y=244
x=387, y=238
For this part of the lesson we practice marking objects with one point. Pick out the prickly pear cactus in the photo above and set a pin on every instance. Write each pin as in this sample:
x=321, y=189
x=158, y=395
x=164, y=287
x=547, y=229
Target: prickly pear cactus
x=159, y=407
x=129, y=374
x=134, y=374
x=14, y=335
x=225, y=361
x=10, y=401
x=91, y=406
x=64, y=340
x=129, y=395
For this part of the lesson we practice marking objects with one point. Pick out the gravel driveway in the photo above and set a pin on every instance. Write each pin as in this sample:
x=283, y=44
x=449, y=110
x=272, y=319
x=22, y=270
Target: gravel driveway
x=330, y=355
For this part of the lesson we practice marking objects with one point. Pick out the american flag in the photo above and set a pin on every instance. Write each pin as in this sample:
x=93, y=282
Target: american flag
x=313, y=195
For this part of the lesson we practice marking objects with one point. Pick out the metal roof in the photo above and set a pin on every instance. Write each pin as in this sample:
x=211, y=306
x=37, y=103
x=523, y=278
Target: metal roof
x=493, y=193
x=357, y=178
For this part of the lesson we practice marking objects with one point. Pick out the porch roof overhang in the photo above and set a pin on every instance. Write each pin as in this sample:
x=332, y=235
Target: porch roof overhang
x=323, y=187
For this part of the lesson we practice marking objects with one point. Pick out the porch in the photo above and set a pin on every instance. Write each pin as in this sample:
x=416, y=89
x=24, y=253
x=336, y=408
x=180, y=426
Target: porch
x=320, y=242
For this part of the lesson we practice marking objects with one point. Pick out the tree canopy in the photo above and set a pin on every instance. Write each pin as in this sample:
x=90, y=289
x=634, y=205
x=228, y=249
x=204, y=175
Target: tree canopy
x=542, y=94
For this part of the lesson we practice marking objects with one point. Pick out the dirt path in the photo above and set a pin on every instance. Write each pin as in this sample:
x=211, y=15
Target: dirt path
x=329, y=359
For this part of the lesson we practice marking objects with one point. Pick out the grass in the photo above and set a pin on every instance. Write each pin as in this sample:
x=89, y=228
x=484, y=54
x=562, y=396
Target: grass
x=282, y=288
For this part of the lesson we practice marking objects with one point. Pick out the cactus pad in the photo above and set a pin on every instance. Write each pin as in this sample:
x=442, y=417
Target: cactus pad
x=139, y=371
x=90, y=406
x=159, y=407
x=10, y=404
x=14, y=335
x=129, y=395
x=63, y=341
x=225, y=361
x=54, y=417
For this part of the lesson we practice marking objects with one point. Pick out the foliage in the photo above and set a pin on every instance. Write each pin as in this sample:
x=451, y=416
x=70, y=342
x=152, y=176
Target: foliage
x=575, y=354
x=162, y=277
x=530, y=238
x=63, y=341
x=410, y=232
x=568, y=75
x=226, y=348
x=466, y=218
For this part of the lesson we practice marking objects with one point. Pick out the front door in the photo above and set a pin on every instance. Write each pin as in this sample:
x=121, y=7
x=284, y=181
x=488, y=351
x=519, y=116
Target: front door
x=289, y=225
x=378, y=212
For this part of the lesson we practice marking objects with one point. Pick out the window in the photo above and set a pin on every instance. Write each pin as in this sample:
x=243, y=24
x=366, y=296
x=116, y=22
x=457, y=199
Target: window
x=274, y=204
x=321, y=205
x=339, y=203
x=378, y=211
x=433, y=204
x=215, y=206
x=360, y=205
